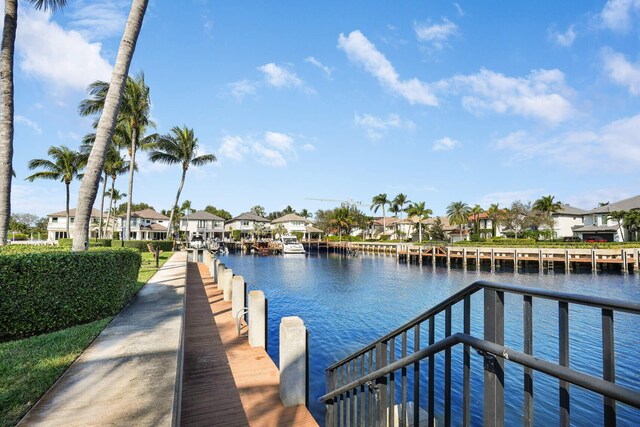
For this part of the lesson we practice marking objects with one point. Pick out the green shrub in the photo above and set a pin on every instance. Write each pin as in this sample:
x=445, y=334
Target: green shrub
x=47, y=290
x=235, y=235
x=65, y=243
x=141, y=245
x=299, y=235
x=18, y=236
x=93, y=243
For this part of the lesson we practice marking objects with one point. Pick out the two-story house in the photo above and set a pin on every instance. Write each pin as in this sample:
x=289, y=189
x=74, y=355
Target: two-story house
x=248, y=223
x=57, y=224
x=598, y=225
x=204, y=224
x=293, y=223
x=146, y=224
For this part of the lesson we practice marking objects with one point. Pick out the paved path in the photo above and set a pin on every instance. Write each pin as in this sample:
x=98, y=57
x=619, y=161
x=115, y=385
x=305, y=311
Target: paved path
x=243, y=375
x=127, y=377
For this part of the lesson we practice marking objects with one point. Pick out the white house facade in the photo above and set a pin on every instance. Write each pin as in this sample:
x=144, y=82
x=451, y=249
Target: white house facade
x=566, y=220
x=292, y=223
x=146, y=224
x=249, y=225
x=204, y=224
x=599, y=226
x=57, y=224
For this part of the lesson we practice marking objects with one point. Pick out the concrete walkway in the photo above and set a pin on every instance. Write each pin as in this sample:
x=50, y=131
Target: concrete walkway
x=128, y=376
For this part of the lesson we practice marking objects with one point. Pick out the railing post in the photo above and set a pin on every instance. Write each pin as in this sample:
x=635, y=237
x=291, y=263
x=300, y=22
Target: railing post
x=330, y=408
x=382, y=404
x=493, y=366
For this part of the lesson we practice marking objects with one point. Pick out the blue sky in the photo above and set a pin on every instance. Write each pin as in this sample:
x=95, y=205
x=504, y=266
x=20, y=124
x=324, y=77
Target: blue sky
x=443, y=101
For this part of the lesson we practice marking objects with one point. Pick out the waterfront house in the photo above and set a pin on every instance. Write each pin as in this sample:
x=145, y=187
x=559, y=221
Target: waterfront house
x=57, y=224
x=146, y=224
x=248, y=223
x=204, y=224
x=297, y=224
x=598, y=225
x=566, y=220
x=451, y=232
x=393, y=227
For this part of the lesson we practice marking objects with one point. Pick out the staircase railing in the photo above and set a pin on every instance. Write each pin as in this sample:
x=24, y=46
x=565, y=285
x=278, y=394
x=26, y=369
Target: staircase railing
x=362, y=389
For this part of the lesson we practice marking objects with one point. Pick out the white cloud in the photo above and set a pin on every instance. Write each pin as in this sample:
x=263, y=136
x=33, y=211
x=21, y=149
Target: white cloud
x=28, y=122
x=243, y=88
x=308, y=147
x=62, y=59
x=459, y=9
x=28, y=197
x=622, y=71
x=273, y=149
x=565, y=39
x=505, y=198
x=327, y=70
x=445, y=144
x=436, y=34
x=376, y=126
x=617, y=14
x=100, y=19
x=541, y=95
x=361, y=51
x=614, y=146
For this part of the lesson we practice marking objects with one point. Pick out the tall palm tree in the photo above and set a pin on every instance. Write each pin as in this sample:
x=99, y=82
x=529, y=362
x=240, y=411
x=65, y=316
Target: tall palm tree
x=476, y=211
x=493, y=213
x=179, y=146
x=107, y=124
x=458, y=213
x=185, y=209
x=7, y=107
x=400, y=200
x=419, y=211
x=114, y=197
x=65, y=167
x=547, y=206
x=341, y=220
x=133, y=121
x=395, y=210
x=618, y=216
x=381, y=201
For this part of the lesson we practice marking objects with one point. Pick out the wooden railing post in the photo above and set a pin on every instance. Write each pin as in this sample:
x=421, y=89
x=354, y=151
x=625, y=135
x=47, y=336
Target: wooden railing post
x=493, y=366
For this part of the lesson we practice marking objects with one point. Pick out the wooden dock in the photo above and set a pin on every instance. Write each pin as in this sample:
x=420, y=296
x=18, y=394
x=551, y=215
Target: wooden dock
x=546, y=259
x=225, y=381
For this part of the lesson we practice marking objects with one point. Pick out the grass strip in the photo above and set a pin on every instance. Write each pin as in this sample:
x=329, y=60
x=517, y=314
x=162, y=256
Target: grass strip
x=29, y=367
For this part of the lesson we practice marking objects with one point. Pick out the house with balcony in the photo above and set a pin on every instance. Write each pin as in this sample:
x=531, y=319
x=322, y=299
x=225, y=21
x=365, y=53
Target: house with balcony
x=204, y=224
x=293, y=223
x=249, y=224
x=57, y=224
x=599, y=226
x=146, y=224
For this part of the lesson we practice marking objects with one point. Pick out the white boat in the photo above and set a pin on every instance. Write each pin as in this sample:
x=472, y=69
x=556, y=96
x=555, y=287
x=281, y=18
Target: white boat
x=290, y=245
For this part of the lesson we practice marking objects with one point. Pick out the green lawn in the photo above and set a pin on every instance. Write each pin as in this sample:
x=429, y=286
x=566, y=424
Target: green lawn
x=29, y=367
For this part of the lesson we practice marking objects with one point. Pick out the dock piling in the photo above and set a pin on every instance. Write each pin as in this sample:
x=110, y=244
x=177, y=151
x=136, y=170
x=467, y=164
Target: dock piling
x=293, y=357
x=237, y=295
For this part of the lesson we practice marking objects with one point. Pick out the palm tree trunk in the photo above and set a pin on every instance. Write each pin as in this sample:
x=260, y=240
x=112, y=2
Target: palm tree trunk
x=6, y=114
x=68, y=184
x=104, y=190
x=106, y=125
x=384, y=222
x=175, y=205
x=132, y=166
x=113, y=185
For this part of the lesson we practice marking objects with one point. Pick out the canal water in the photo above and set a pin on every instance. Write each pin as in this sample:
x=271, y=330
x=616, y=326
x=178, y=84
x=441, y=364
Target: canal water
x=348, y=302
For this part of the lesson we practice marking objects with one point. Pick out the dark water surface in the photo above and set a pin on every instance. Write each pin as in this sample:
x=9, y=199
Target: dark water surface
x=348, y=302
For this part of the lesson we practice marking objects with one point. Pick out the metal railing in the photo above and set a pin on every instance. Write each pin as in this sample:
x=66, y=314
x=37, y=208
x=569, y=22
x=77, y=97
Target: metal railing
x=362, y=388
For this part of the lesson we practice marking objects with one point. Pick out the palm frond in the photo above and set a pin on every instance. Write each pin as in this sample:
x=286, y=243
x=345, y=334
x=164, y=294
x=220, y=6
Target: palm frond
x=52, y=5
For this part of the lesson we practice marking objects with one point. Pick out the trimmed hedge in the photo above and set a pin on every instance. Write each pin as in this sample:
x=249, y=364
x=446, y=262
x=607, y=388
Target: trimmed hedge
x=93, y=243
x=141, y=245
x=48, y=290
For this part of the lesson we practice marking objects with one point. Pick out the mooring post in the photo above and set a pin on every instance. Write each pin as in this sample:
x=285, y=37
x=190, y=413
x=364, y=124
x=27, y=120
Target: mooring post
x=293, y=361
x=220, y=269
x=625, y=262
x=257, y=319
x=237, y=295
x=214, y=269
x=225, y=282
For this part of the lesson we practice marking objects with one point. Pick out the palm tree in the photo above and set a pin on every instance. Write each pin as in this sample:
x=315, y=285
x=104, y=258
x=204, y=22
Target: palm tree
x=114, y=197
x=381, y=201
x=305, y=213
x=400, y=200
x=107, y=124
x=458, y=213
x=476, y=211
x=395, y=210
x=618, y=216
x=179, y=146
x=493, y=213
x=133, y=121
x=65, y=167
x=547, y=207
x=419, y=211
x=185, y=209
x=341, y=220
x=288, y=210
x=7, y=107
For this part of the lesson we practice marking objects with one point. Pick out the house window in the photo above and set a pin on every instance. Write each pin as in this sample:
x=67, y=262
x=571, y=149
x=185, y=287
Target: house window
x=184, y=222
x=71, y=220
x=202, y=224
x=54, y=220
x=245, y=222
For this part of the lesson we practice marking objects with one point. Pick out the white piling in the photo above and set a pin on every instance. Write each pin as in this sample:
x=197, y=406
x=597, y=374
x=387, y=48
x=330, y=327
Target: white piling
x=237, y=295
x=257, y=319
x=225, y=283
x=221, y=268
x=293, y=366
